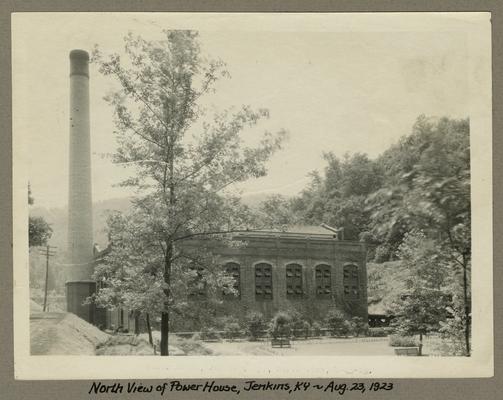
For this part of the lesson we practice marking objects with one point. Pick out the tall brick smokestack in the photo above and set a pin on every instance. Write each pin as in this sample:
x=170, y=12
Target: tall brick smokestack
x=80, y=219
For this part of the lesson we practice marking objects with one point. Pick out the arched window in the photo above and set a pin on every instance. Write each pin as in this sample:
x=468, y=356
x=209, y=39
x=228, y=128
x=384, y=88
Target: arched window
x=233, y=269
x=323, y=281
x=263, y=281
x=294, y=281
x=351, y=281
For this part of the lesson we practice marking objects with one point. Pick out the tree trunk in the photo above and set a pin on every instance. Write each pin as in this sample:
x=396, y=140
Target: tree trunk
x=164, y=333
x=136, y=323
x=165, y=313
x=149, y=329
x=467, y=307
x=420, y=352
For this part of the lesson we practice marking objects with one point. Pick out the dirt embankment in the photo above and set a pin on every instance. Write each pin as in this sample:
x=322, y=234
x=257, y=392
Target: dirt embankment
x=63, y=334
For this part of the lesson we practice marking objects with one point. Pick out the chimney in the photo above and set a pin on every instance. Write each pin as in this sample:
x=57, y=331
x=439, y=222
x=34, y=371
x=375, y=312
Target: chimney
x=80, y=219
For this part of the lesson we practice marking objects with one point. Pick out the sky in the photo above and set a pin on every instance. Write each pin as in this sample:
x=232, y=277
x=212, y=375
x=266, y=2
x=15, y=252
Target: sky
x=340, y=83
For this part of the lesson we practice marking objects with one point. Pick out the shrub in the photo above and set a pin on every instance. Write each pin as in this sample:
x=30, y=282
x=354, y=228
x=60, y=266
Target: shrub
x=383, y=253
x=255, y=324
x=402, y=341
x=299, y=325
x=359, y=326
x=232, y=330
x=452, y=334
x=316, y=329
x=210, y=333
x=281, y=325
x=379, y=331
x=337, y=322
x=301, y=329
x=346, y=328
x=221, y=322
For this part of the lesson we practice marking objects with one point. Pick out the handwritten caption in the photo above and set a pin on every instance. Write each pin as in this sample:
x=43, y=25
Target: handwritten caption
x=248, y=386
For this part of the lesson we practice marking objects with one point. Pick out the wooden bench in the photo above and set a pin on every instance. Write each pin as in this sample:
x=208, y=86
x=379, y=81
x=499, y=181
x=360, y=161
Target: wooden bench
x=407, y=351
x=280, y=342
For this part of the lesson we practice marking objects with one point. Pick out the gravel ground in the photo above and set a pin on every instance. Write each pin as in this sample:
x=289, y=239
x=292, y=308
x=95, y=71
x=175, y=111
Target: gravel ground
x=349, y=347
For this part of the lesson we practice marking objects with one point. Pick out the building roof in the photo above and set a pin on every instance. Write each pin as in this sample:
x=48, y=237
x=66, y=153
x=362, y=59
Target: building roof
x=308, y=229
x=292, y=231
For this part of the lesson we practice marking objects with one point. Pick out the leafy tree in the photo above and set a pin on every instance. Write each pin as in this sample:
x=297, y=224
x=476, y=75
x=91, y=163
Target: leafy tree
x=338, y=196
x=129, y=275
x=452, y=329
x=276, y=211
x=422, y=308
x=184, y=162
x=39, y=231
x=428, y=188
x=356, y=175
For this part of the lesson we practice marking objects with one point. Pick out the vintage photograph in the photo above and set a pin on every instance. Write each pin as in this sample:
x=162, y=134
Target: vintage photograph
x=209, y=185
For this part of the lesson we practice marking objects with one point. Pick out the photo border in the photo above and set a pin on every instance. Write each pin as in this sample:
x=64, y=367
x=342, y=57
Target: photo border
x=357, y=6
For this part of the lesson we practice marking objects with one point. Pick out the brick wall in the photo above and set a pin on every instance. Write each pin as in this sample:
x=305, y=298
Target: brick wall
x=279, y=250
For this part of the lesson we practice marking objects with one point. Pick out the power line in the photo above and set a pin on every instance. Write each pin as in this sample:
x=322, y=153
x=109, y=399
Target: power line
x=48, y=253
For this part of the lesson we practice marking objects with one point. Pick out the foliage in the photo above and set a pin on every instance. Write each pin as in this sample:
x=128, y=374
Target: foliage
x=255, y=324
x=129, y=273
x=230, y=326
x=383, y=253
x=379, y=332
x=232, y=330
x=422, y=307
x=359, y=326
x=427, y=184
x=402, y=341
x=281, y=325
x=210, y=334
x=39, y=231
x=452, y=331
x=336, y=321
x=338, y=197
x=182, y=161
x=276, y=212
x=420, y=311
x=301, y=328
x=428, y=188
x=316, y=329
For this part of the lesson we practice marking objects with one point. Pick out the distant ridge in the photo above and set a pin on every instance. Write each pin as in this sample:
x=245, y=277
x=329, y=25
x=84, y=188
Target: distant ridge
x=57, y=217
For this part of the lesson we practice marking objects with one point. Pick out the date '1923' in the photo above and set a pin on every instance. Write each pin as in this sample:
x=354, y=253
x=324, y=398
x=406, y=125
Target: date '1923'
x=362, y=387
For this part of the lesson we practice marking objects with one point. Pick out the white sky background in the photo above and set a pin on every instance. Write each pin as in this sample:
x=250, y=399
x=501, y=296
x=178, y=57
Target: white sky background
x=342, y=84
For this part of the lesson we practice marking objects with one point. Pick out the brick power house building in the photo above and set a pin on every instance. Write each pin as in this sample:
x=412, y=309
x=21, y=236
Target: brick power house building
x=301, y=267
x=306, y=268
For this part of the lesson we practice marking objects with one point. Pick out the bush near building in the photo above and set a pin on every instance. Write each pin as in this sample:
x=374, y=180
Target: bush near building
x=379, y=332
x=255, y=324
x=281, y=325
x=402, y=341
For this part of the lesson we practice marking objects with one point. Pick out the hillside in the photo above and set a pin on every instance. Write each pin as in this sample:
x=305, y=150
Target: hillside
x=58, y=219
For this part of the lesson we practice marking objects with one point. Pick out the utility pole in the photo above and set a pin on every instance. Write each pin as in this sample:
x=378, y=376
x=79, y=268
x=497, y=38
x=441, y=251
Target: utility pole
x=48, y=253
